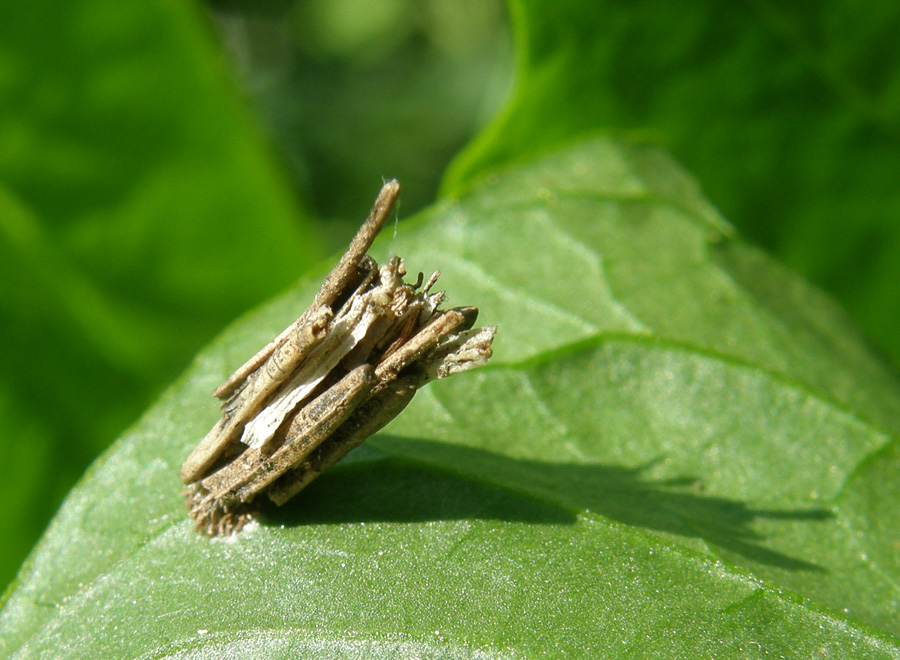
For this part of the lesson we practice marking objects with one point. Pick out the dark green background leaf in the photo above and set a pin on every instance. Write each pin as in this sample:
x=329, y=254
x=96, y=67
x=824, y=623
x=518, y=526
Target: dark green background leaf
x=138, y=214
x=787, y=113
x=678, y=451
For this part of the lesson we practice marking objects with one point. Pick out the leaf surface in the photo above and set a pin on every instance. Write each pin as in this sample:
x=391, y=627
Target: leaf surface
x=679, y=450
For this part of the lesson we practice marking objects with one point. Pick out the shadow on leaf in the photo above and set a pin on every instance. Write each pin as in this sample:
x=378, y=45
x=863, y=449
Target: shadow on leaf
x=420, y=481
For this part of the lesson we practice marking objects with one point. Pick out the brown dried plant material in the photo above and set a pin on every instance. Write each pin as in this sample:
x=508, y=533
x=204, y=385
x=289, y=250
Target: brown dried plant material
x=339, y=373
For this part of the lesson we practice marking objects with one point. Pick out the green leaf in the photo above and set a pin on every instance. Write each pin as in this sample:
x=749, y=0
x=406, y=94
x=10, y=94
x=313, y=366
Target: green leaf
x=139, y=213
x=679, y=450
x=787, y=114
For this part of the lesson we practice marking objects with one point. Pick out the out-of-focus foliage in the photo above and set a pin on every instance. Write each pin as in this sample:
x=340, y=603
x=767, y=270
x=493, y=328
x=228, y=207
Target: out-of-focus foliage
x=139, y=212
x=353, y=90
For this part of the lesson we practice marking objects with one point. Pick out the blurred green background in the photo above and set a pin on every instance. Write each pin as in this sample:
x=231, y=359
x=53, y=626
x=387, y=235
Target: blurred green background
x=165, y=166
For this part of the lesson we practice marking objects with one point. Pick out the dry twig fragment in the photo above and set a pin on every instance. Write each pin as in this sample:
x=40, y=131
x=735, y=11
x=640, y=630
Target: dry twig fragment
x=335, y=376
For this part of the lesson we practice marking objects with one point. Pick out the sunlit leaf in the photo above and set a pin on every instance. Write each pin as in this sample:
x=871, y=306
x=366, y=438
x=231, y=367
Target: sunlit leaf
x=680, y=450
